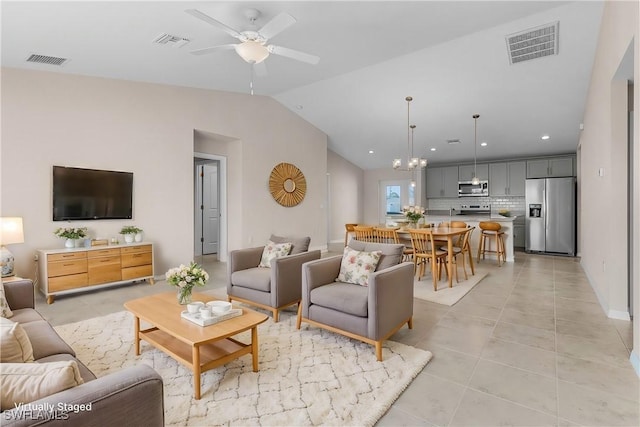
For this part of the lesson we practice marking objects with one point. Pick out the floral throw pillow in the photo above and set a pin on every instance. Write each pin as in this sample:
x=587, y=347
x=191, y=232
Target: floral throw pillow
x=356, y=266
x=5, y=310
x=272, y=251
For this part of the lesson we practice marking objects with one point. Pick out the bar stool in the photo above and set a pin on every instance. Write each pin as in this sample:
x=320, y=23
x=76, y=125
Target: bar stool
x=489, y=229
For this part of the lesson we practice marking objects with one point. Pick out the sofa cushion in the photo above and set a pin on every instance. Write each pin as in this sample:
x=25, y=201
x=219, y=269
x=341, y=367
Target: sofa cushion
x=253, y=278
x=272, y=251
x=26, y=315
x=391, y=253
x=345, y=297
x=356, y=266
x=5, y=310
x=85, y=373
x=15, y=346
x=298, y=245
x=45, y=340
x=26, y=382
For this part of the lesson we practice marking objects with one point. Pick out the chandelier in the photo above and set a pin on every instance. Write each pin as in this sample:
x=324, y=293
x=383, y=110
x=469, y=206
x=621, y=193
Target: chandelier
x=412, y=162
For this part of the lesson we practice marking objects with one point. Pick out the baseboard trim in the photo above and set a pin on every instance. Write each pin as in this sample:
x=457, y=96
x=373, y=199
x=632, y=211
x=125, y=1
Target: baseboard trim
x=620, y=315
x=635, y=362
x=321, y=248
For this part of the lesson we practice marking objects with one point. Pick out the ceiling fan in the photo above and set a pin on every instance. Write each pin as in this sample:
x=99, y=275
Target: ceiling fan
x=253, y=46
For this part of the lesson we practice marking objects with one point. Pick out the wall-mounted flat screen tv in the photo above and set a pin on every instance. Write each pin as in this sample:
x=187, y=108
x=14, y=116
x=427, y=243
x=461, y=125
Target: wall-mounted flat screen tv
x=80, y=194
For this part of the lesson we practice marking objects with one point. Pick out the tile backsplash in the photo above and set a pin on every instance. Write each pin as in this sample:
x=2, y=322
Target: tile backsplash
x=515, y=204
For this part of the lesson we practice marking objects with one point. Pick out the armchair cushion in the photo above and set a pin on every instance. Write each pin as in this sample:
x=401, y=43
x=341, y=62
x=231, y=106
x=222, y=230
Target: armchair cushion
x=356, y=266
x=298, y=245
x=272, y=251
x=391, y=253
x=344, y=297
x=253, y=278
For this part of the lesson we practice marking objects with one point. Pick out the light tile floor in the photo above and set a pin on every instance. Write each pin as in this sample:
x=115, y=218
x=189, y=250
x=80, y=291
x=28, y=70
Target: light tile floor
x=528, y=346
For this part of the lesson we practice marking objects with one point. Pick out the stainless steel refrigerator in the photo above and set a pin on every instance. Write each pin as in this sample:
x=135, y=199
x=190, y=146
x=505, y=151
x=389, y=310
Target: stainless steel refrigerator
x=550, y=215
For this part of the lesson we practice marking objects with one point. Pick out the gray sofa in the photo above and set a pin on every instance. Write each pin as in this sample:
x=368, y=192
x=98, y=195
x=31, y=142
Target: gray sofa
x=368, y=313
x=132, y=396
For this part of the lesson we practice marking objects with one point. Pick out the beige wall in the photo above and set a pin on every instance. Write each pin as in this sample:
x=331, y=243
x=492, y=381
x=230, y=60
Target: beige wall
x=603, y=145
x=346, y=190
x=57, y=119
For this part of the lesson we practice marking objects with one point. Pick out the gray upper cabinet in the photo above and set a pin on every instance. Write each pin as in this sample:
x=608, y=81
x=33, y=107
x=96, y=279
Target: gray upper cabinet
x=442, y=182
x=507, y=179
x=552, y=167
x=465, y=172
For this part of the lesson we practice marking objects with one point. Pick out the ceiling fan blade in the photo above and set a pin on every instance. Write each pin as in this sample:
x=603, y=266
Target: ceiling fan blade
x=212, y=49
x=294, y=54
x=260, y=69
x=209, y=20
x=276, y=25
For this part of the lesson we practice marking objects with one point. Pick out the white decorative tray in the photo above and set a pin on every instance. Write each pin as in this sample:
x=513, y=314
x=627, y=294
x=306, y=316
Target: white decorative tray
x=198, y=320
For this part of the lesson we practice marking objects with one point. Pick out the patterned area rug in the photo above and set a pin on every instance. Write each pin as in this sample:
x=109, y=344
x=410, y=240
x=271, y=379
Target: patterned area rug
x=306, y=377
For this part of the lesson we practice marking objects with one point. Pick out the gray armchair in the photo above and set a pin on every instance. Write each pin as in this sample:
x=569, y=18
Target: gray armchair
x=368, y=313
x=272, y=288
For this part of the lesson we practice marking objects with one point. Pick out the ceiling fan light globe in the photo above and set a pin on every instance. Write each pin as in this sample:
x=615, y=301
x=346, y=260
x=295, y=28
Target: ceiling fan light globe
x=252, y=51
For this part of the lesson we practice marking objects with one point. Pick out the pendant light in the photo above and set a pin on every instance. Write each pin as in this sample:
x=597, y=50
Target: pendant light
x=475, y=180
x=412, y=162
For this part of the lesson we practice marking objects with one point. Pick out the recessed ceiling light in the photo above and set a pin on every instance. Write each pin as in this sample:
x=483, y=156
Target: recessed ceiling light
x=370, y=151
x=433, y=149
x=544, y=137
x=299, y=107
x=483, y=144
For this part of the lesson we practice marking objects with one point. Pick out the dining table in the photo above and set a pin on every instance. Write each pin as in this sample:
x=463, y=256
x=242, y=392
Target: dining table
x=440, y=232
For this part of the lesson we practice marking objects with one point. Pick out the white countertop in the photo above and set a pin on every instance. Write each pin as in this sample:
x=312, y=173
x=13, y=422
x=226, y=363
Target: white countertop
x=465, y=218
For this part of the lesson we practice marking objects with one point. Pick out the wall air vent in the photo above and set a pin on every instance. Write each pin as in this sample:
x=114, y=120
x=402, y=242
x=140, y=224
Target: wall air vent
x=44, y=59
x=170, y=40
x=533, y=43
x=453, y=141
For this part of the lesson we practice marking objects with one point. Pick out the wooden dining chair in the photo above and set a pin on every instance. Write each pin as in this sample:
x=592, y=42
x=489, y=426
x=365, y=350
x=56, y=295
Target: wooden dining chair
x=349, y=230
x=390, y=235
x=364, y=233
x=425, y=250
x=461, y=247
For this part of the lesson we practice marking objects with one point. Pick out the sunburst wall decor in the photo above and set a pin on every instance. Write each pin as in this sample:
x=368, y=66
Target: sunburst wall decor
x=287, y=184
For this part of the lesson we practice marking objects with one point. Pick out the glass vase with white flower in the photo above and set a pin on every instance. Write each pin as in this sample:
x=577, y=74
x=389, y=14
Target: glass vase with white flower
x=413, y=214
x=185, y=278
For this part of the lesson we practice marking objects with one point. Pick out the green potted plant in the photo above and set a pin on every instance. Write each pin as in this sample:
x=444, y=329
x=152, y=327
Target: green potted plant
x=72, y=234
x=131, y=232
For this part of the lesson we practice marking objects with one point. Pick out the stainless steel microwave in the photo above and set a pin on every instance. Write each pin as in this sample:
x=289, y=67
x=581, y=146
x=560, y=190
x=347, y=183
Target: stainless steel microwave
x=468, y=189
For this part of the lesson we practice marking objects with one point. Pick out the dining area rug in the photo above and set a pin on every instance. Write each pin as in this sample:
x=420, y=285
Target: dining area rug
x=445, y=295
x=306, y=377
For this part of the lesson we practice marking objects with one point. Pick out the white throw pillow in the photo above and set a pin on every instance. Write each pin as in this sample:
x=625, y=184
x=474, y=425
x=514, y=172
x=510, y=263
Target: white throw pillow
x=356, y=266
x=15, y=346
x=272, y=251
x=27, y=382
x=5, y=310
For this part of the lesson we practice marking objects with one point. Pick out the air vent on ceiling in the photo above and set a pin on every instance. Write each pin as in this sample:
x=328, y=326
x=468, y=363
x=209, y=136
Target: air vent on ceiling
x=171, y=40
x=453, y=141
x=533, y=43
x=44, y=59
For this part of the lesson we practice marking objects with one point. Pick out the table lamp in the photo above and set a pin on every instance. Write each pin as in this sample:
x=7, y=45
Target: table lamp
x=10, y=233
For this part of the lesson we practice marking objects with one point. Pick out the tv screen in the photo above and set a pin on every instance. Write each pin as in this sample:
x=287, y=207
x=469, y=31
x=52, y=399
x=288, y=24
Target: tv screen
x=91, y=194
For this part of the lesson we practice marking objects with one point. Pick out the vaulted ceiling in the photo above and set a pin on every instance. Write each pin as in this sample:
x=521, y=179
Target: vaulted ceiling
x=450, y=56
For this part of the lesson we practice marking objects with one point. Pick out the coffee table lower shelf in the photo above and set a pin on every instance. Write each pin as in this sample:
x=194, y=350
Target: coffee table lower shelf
x=201, y=357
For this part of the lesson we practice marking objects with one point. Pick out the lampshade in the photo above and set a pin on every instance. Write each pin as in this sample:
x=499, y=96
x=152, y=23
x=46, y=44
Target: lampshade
x=11, y=230
x=252, y=51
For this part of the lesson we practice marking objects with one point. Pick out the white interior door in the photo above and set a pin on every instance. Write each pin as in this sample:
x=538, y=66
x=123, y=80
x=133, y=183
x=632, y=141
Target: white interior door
x=393, y=196
x=211, y=209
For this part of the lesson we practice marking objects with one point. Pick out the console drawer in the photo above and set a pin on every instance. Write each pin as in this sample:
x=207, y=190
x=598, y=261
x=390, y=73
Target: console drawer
x=131, y=273
x=104, y=269
x=71, y=281
x=136, y=249
x=136, y=259
x=67, y=256
x=103, y=252
x=65, y=268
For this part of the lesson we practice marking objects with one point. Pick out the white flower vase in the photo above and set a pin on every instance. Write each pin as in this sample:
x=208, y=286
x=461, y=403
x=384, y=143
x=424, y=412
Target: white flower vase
x=138, y=237
x=128, y=238
x=69, y=243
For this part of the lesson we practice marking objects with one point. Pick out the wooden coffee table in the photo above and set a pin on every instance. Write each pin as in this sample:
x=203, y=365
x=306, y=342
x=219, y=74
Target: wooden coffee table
x=200, y=348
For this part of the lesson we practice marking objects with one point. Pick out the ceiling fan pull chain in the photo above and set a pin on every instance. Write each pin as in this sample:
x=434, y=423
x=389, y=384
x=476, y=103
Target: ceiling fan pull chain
x=251, y=83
